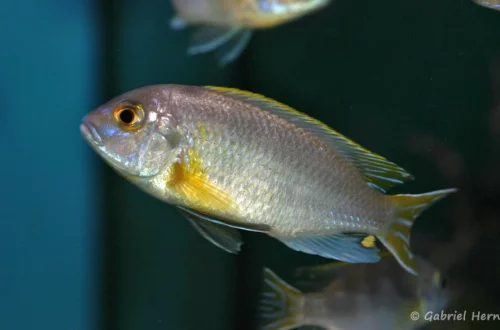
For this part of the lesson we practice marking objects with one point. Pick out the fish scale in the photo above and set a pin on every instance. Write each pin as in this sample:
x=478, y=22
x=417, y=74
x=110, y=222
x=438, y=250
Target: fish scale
x=309, y=184
x=230, y=160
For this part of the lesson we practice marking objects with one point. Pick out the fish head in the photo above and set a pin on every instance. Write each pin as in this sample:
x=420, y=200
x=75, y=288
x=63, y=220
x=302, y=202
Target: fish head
x=433, y=287
x=133, y=132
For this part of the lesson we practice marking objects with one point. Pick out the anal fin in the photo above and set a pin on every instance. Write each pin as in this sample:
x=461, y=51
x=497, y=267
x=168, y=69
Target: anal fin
x=343, y=247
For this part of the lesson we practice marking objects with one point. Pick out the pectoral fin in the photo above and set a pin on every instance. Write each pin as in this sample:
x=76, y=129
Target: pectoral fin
x=228, y=239
x=351, y=248
x=190, y=182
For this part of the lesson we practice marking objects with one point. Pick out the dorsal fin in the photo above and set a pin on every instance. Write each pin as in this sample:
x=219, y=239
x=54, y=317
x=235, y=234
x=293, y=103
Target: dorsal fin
x=377, y=171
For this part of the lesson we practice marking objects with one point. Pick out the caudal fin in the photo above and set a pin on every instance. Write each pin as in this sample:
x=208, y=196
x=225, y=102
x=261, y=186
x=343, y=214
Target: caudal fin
x=408, y=208
x=280, y=305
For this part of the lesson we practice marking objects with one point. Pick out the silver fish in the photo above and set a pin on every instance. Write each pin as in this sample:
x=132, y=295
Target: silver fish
x=227, y=25
x=232, y=160
x=379, y=296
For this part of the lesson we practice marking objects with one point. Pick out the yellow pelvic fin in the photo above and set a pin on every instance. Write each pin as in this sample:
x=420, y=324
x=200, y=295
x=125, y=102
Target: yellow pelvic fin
x=280, y=305
x=407, y=209
x=377, y=171
x=189, y=180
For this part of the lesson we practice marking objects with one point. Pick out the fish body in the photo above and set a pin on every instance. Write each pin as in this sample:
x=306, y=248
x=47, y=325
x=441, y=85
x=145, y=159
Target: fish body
x=492, y=4
x=226, y=25
x=378, y=296
x=252, y=14
x=232, y=160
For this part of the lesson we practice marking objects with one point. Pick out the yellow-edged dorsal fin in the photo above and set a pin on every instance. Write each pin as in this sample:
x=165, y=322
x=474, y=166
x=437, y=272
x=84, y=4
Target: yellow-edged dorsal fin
x=377, y=171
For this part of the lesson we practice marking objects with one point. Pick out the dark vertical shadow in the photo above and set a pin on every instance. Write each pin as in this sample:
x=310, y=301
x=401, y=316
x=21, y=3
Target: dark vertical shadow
x=108, y=10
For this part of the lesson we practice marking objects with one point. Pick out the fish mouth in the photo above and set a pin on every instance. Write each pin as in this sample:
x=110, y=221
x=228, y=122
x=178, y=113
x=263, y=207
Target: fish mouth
x=94, y=139
x=90, y=133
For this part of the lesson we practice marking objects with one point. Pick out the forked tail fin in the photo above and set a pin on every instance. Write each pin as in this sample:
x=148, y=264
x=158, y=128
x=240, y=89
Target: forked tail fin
x=408, y=208
x=280, y=305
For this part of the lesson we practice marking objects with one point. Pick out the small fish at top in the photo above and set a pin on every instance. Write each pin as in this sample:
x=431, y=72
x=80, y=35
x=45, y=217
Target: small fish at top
x=226, y=25
x=230, y=160
x=493, y=4
x=379, y=296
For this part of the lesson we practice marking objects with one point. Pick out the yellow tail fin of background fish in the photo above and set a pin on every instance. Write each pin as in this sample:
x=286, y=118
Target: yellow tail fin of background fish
x=280, y=305
x=408, y=208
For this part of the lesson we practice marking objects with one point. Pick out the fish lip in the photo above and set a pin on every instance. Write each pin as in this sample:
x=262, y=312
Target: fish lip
x=90, y=133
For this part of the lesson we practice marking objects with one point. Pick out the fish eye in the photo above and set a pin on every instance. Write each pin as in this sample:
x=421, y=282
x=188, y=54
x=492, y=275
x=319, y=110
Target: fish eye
x=128, y=115
x=444, y=283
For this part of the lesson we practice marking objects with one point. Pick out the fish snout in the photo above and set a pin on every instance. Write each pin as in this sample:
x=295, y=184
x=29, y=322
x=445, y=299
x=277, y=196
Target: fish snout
x=90, y=133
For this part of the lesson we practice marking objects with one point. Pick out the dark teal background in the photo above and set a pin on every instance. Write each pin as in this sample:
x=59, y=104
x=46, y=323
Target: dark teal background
x=50, y=232
x=80, y=248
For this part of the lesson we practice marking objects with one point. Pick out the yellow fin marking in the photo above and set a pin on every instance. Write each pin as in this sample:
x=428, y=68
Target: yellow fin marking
x=191, y=183
x=368, y=241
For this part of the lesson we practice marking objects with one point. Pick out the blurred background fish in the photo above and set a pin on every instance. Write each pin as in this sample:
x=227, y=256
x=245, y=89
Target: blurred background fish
x=379, y=296
x=493, y=4
x=230, y=160
x=226, y=25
